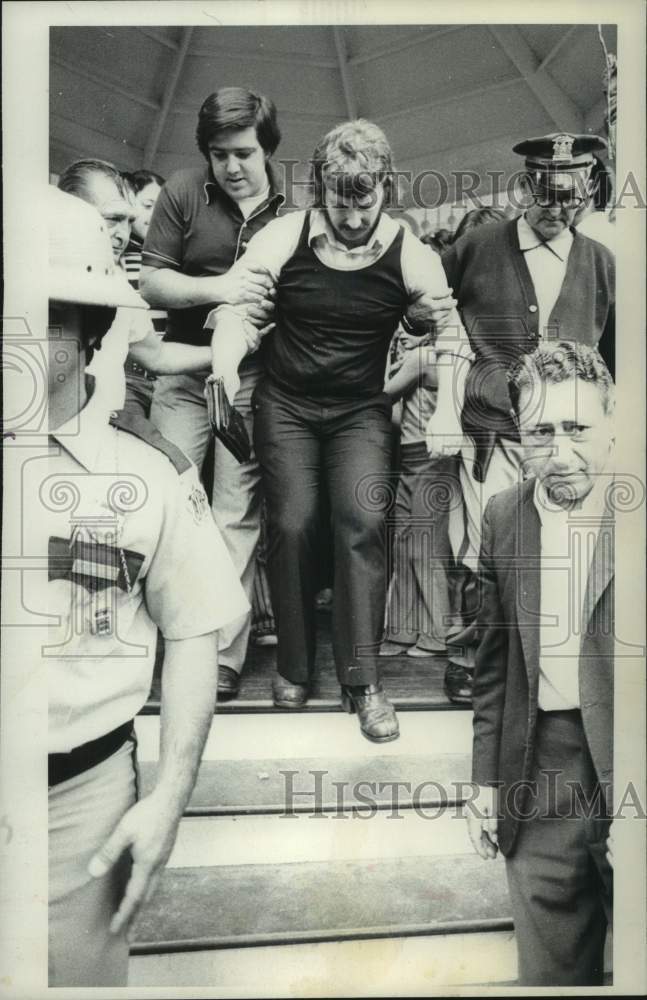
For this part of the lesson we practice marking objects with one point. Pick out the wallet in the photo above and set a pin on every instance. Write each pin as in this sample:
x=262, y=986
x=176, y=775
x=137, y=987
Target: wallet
x=226, y=421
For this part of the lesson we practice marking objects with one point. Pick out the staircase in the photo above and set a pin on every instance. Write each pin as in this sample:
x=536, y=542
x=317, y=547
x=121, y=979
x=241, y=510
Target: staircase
x=312, y=862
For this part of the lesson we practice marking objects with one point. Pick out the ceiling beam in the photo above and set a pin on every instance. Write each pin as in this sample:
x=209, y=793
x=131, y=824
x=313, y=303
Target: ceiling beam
x=561, y=41
x=484, y=151
x=157, y=36
x=459, y=95
x=152, y=144
x=563, y=111
x=405, y=43
x=101, y=81
x=291, y=58
x=344, y=72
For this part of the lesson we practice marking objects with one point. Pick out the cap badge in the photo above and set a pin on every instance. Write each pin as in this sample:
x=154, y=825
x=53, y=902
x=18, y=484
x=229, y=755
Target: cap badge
x=563, y=147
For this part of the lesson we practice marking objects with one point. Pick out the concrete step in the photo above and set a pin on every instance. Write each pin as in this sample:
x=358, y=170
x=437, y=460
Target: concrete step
x=217, y=841
x=234, y=906
x=315, y=785
x=376, y=967
x=327, y=735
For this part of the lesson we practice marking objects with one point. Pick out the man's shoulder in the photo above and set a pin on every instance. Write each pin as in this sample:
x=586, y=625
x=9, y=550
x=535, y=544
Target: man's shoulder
x=187, y=181
x=485, y=236
x=598, y=249
x=503, y=504
x=139, y=437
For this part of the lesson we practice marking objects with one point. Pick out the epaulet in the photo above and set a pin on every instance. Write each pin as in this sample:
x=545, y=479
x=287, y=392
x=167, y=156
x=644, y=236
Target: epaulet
x=143, y=429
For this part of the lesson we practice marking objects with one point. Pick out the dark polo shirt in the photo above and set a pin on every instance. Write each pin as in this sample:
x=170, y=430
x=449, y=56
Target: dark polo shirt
x=198, y=230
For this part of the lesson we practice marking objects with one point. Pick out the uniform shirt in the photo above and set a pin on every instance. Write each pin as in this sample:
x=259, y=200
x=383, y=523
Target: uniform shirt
x=198, y=230
x=546, y=261
x=568, y=540
x=107, y=366
x=131, y=546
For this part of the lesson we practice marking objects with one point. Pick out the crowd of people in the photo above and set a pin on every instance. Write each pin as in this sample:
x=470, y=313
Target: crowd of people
x=498, y=348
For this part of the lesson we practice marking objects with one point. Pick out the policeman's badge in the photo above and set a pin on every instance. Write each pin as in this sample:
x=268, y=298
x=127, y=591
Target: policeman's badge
x=563, y=148
x=198, y=504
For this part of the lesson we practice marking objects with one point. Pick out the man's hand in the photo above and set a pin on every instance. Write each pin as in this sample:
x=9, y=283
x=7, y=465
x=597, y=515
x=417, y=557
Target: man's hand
x=148, y=830
x=482, y=823
x=444, y=434
x=244, y=285
x=431, y=311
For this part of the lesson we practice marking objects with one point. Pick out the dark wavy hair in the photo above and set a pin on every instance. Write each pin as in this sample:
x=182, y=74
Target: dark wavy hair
x=559, y=362
x=139, y=179
x=236, y=107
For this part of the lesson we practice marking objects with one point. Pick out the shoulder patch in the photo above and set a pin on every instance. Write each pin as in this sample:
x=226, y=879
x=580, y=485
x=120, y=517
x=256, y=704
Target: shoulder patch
x=198, y=504
x=143, y=429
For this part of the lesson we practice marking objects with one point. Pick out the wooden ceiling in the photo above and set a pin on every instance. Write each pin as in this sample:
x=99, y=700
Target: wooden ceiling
x=450, y=98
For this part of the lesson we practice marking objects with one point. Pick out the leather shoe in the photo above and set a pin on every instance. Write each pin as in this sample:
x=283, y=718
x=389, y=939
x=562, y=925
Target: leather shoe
x=288, y=695
x=458, y=684
x=377, y=719
x=228, y=683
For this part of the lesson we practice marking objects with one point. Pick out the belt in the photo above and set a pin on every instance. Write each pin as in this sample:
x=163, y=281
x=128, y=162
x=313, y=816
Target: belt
x=63, y=766
x=132, y=368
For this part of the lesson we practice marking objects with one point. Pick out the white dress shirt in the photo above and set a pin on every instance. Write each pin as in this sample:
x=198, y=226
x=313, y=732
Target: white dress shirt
x=568, y=540
x=547, y=266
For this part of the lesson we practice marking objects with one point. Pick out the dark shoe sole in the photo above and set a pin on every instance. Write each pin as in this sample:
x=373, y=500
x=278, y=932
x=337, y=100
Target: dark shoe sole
x=279, y=703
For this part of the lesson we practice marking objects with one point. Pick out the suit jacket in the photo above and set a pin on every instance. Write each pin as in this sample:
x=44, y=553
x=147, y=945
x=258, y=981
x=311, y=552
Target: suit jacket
x=506, y=676
x=498, y=305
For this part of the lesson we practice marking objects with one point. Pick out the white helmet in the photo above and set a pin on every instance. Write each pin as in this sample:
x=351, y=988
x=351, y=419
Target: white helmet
x=81, y=265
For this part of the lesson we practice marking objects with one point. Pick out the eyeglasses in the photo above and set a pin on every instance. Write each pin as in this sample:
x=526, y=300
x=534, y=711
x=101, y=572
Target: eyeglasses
x=564, y=200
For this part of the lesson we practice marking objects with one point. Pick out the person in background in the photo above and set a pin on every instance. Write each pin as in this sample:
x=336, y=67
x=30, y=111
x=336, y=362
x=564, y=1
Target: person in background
x=101, y=185
x=542, y=761
x=478, y=217
x=346, y=276
x=416, y=613
x=144, y=187
x=520, y=283
x=202, y=223
x=112, y=576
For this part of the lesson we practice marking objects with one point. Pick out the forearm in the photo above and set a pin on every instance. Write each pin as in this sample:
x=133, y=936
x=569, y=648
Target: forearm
x=164, y=288
x=400, y=383
x=163, y=357
x=189, y=688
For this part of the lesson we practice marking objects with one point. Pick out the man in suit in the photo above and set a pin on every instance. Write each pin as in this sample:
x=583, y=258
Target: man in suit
x=519, y=284
x=543, y=684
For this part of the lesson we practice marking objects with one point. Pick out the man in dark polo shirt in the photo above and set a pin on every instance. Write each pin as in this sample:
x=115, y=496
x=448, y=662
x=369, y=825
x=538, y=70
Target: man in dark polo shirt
x=201, y=224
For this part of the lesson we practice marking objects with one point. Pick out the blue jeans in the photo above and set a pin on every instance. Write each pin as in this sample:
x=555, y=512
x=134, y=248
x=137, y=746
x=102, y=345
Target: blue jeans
x=306, y=450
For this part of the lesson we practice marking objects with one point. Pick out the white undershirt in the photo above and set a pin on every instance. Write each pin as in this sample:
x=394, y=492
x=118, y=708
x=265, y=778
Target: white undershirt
x=547, y=267
x=247, y=205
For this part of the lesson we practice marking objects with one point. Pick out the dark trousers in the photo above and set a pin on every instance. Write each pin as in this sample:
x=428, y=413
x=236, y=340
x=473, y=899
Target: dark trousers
x=307, y=451
x=559, y=879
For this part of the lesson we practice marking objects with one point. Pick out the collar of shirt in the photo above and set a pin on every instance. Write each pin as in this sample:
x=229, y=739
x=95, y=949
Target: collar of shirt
x=592, y=507
x=321, y=231
x=212, y=189
x=528, y=239
x=86, y=435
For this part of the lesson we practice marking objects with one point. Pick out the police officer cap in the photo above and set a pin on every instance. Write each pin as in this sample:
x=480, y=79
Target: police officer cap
x=560, y=160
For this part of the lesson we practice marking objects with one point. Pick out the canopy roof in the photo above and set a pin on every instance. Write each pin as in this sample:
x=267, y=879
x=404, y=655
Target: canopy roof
x=449, y=97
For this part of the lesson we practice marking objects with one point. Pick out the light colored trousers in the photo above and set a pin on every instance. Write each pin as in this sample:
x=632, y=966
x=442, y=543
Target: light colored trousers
x=465, y=519
x=179, y=412
x=83, y=812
